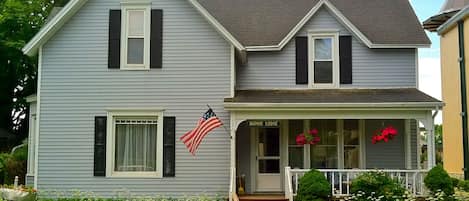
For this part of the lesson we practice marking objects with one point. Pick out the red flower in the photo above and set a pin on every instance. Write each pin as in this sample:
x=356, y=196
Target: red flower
x=385, y=135
x=314, y=132
x=301, y=139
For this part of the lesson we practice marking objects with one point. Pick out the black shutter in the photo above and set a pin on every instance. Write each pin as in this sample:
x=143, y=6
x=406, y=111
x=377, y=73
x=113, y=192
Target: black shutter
x=156, y=39
x=301, y=60
x=169, y=147
x=114, y=39
x=100, y=146
x=345, y=51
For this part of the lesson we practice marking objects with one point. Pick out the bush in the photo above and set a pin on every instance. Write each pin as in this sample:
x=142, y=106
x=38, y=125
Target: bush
x=463, y=185
x=313, y=186
x=377, y=184
x=437, y=180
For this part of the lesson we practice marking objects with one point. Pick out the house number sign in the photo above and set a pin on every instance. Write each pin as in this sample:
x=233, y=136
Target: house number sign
x=264, y=123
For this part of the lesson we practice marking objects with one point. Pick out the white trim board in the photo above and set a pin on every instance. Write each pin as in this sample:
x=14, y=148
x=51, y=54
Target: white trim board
x=49, y=29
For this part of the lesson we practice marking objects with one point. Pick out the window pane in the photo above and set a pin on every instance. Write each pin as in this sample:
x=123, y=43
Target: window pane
x=351, y=157
x=323, y=72
x=269, y=166
x=324, y=154
x=324, y=157
x=269, y=142
x=135, y=146
x=351, y=135
x=295, y=152
x=136, y=23
x=323, y=48
x=135, y=51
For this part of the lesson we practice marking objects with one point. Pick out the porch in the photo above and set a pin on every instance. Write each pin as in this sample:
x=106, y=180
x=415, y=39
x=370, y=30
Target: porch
x=265, y=157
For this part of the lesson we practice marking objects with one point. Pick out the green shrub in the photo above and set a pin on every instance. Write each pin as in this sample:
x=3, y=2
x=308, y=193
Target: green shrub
x=455, y=181
x=313, y=186
x=377, y=184
x=463, y=185
x=438, y=179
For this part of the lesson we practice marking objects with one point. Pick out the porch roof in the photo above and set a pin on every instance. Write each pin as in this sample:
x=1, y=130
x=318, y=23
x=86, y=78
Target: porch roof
x=339, y=97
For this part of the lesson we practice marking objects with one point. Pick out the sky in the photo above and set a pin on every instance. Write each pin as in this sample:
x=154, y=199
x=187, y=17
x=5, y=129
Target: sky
x=429, y=58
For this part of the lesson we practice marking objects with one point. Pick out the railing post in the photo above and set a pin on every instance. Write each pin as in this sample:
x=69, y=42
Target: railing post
x=288, y=184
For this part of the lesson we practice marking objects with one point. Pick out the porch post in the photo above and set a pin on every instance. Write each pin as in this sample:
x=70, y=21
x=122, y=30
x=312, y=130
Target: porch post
x=429, y=126
x=233, y=127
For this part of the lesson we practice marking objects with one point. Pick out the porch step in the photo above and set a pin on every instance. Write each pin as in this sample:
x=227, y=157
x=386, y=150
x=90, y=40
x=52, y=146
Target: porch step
x=262, y=197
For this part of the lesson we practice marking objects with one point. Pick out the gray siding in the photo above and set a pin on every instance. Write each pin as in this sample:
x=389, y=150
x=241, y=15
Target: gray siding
x=371, y=67
x=390, y=155
x=414, y=142
x=29, y=181
x=77, y=86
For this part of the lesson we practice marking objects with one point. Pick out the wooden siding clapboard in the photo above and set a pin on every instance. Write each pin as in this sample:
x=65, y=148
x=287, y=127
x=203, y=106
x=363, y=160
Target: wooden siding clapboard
x=372, y=68
x=156, y=39
x=301, y=60
x=100, y=126
x=77, y=85
x=114, y=53
x=169, y=146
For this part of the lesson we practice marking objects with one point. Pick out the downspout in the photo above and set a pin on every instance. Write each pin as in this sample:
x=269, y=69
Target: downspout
x=462, y=67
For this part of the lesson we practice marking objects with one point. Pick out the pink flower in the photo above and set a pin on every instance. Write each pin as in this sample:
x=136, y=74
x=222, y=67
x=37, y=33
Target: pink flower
x=301, y=139
x=314, y=131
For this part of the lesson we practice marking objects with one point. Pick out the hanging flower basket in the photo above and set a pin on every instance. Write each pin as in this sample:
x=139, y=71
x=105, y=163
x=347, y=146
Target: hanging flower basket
x=384, y=135
x=311, y=137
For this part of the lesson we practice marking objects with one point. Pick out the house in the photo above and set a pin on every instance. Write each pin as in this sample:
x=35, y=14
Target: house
x=121, y=82
x=450, y=25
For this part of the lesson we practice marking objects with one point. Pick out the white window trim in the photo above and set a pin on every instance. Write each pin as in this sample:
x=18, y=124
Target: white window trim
x=110, y=144
x=335, y=59
x=146, y=7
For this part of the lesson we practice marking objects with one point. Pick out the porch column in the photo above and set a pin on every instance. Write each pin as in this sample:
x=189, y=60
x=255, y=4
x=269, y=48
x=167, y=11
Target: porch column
x=430, y=128
x=233, y=128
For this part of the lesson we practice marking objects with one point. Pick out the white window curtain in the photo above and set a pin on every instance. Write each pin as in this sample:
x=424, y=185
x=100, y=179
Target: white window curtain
x=135, y=146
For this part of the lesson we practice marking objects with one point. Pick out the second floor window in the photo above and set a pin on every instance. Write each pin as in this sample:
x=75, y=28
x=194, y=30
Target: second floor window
x=136, y=37
x=324, y=66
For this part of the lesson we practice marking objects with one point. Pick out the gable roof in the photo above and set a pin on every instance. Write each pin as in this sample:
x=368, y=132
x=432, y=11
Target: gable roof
x=460, y=15
x=448, y=10
x=263, y=25
x=269, y=23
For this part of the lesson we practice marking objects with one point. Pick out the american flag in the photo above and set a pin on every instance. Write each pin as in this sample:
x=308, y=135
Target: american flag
x=206, y=123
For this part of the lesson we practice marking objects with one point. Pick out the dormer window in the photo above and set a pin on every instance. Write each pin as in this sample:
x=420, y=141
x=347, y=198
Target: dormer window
x=135, y=52
x=324, y=60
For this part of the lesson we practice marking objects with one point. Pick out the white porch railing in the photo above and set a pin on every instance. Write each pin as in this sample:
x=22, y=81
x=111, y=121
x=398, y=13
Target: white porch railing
x=341, y=180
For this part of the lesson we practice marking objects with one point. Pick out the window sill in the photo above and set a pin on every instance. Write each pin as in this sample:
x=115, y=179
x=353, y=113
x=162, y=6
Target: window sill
x=135, y=175
x=134, y=69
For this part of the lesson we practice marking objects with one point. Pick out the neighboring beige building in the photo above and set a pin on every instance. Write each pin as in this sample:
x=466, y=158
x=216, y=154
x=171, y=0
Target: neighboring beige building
x=446, y=24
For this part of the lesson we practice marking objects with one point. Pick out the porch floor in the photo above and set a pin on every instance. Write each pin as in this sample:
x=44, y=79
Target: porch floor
x=262, y=197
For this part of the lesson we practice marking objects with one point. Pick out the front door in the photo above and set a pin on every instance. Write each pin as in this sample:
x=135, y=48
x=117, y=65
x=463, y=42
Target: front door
x=268, y=160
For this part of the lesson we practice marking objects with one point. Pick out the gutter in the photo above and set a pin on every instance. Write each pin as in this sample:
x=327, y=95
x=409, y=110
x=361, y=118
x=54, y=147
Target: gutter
x=231, y=106
x=462, y=67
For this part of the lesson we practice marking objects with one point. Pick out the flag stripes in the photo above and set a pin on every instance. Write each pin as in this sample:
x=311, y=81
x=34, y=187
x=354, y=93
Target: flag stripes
x=208, y=122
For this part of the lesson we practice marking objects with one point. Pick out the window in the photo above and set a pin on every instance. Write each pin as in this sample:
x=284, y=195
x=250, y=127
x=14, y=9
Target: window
x=135, y=37
x=340, y=145
x=323, y=63
x=135, y=144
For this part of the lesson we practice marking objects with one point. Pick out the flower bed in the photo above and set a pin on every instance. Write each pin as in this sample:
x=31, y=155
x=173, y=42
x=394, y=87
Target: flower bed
x=17, y=194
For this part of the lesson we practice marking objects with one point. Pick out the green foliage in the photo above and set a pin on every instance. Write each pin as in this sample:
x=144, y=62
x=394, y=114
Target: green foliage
x=438, y=179
x=313, y=186
x=463, y=185
x=377, y=184
x=19, y=21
